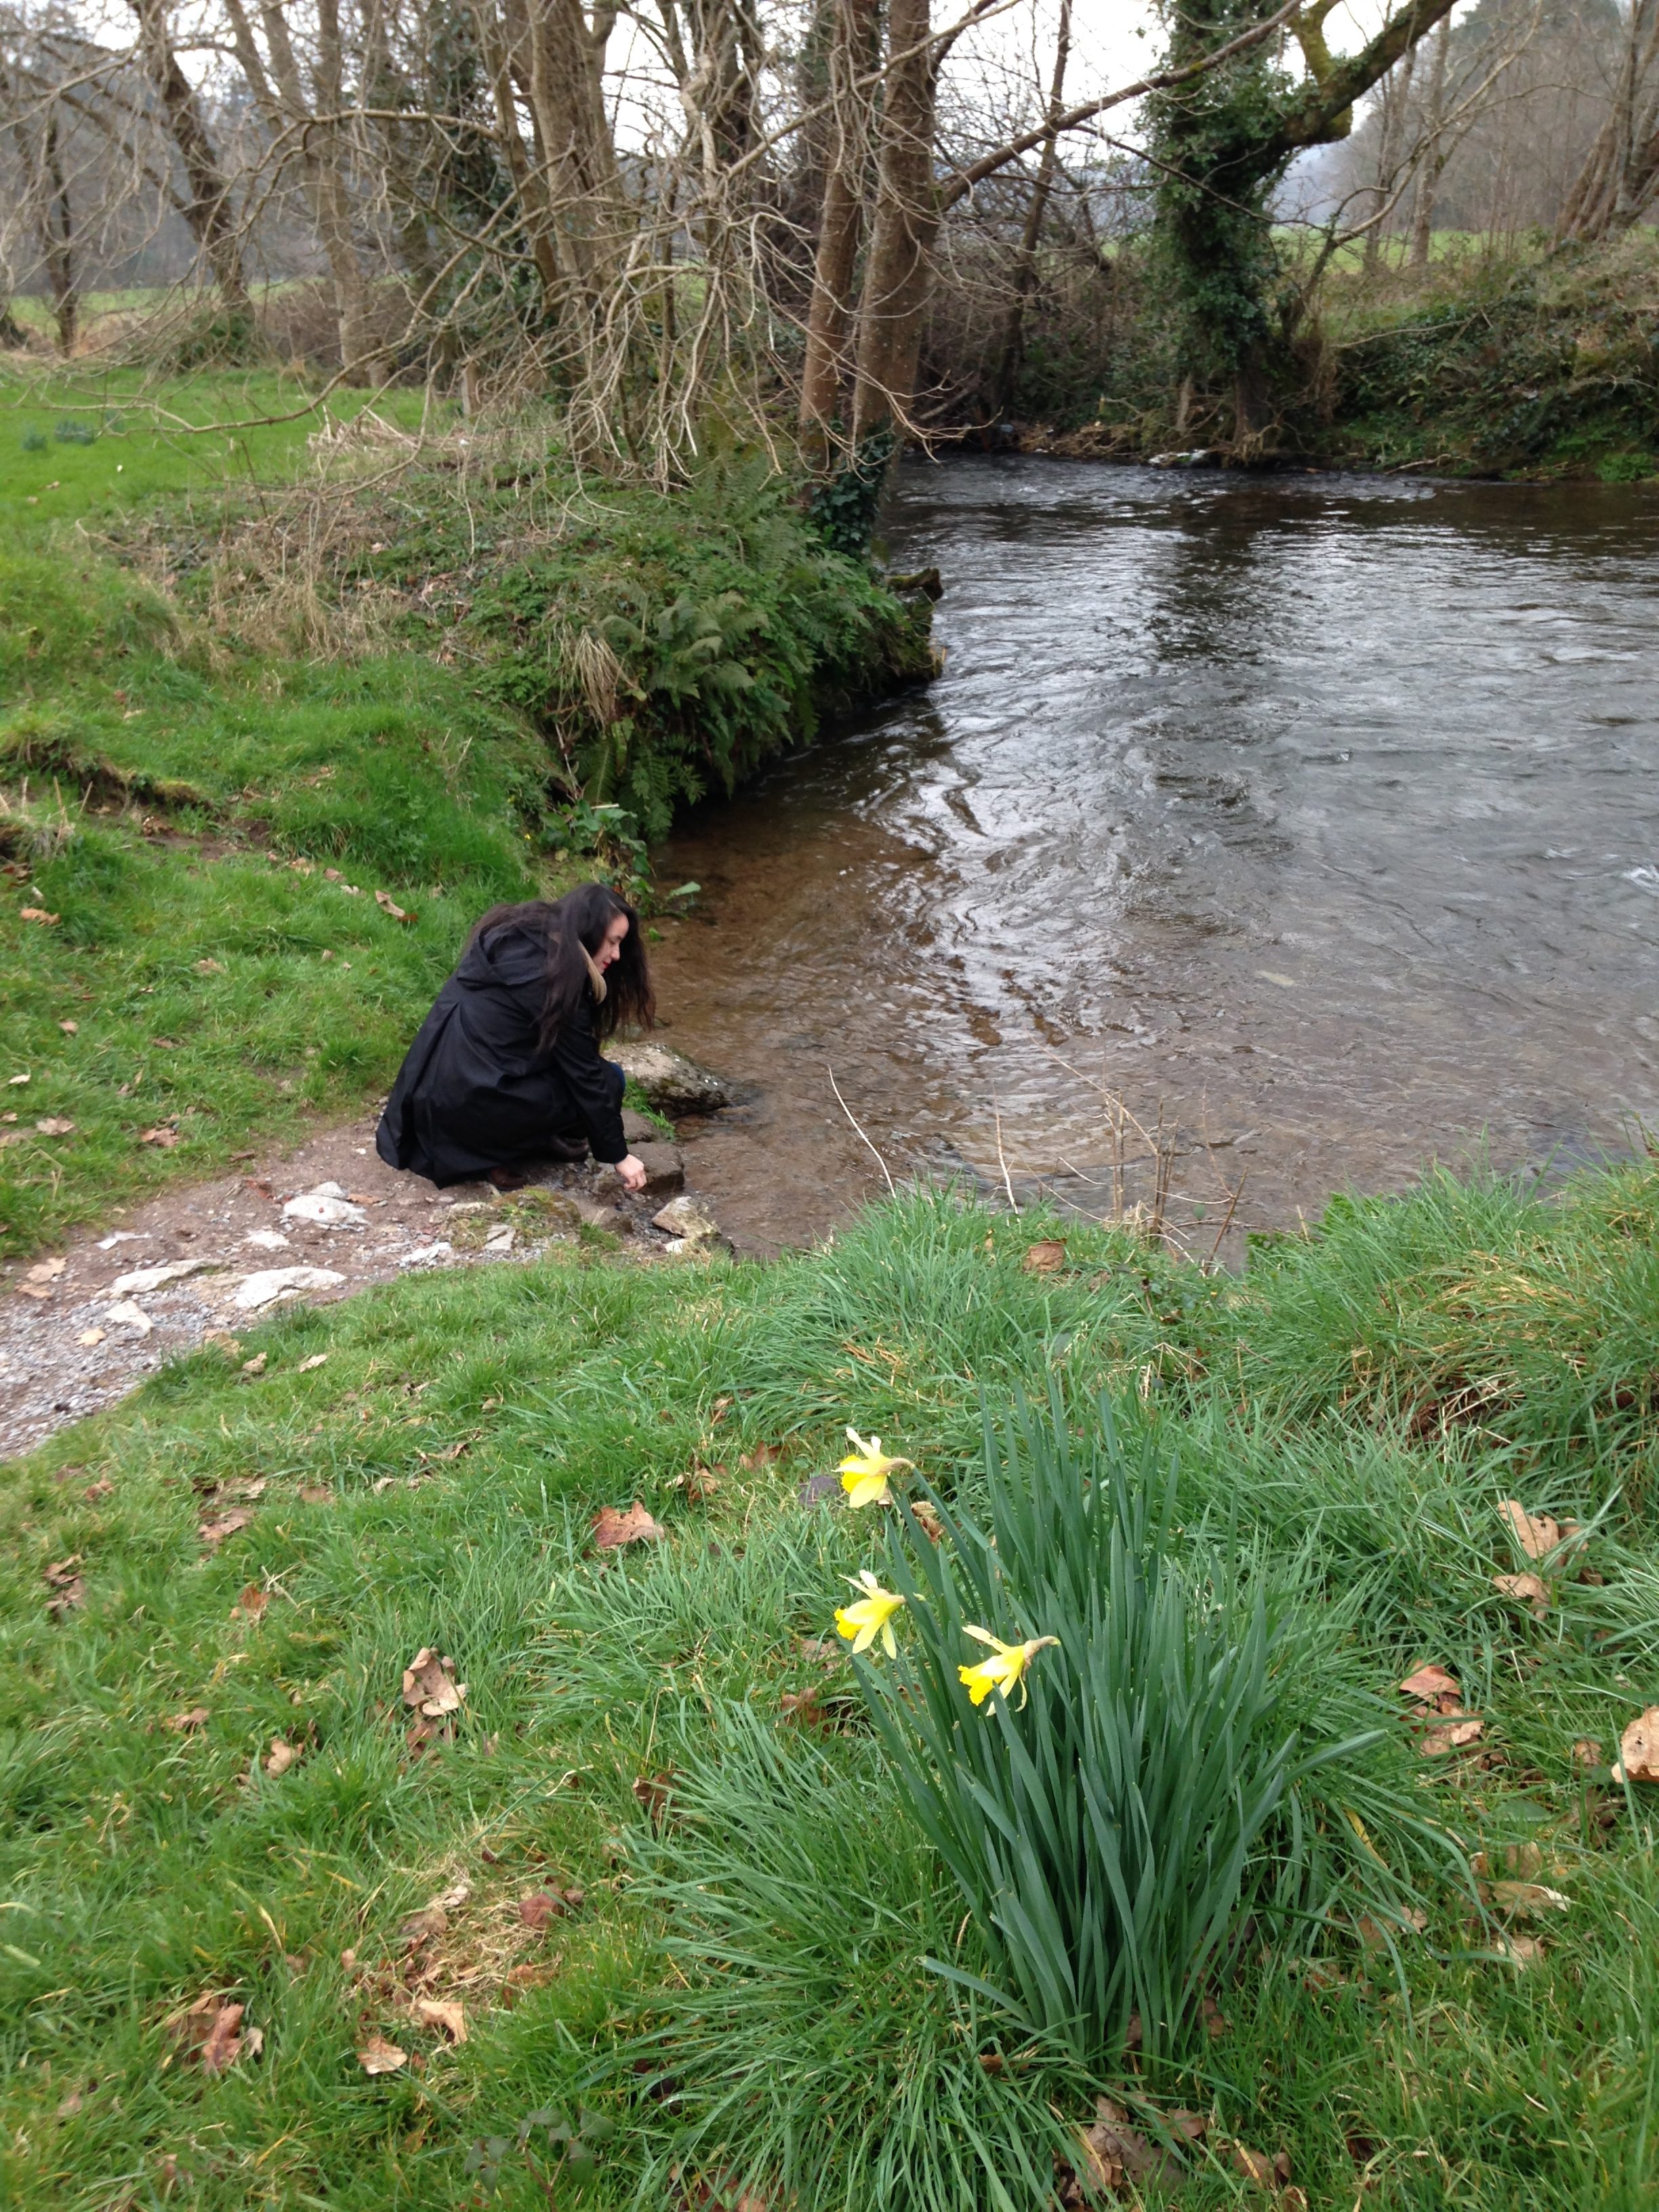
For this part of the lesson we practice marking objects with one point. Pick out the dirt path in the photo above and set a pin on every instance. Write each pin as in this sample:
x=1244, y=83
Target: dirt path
x=75, y=1332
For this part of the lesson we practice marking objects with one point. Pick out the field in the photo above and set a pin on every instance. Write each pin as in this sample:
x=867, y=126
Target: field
x=656, y=1868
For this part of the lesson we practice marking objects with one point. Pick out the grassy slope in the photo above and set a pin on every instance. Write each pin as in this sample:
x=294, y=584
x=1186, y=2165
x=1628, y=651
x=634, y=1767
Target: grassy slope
x=1328, y=1405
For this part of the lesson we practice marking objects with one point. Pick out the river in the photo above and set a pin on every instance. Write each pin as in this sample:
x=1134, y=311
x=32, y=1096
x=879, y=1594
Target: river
x=1309, y=825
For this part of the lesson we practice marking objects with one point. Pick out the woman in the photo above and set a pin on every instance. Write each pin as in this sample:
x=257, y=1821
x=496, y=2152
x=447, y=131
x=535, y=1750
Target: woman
x=505, y=1072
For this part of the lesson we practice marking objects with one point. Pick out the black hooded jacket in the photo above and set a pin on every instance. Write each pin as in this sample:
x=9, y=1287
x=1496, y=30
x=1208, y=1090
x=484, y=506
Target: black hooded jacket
x=478, y=1091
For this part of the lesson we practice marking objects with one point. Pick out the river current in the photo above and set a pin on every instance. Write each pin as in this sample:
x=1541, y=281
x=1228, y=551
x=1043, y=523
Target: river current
x=1313, y=819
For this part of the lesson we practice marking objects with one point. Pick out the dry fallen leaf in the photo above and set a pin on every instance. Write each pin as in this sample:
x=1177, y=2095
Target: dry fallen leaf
x=655, y=1792
x=1526, y=1589
x=46, y=1271
x=37, y=914
x=282, y=1755
x=1255, y=2165
x=1429, y=1685
x=543, y=1906
x=436, y=2012
x=1528, y=1899
x=699, y=1482
x=430, y=1685
x=1521, y=1950
x=209, y=2032
x=379, y=2057
x=1045, y=1258
x=1451, y=1735
x=55, y=1125
x=71, y=1589
x=1537, y=1535
x=926, y=1517
x=388, y=905
x=306, y=1366
x=101, y=1489
x=183, y=1723
x=1586, y=1751
x=612, y=1528
x=257, y=1364
x=314, y=1493
x=251, y=1602
x=90, y=1336
x=161, y=1135
x=1638, y=1749
x=214, y=1533
x=70, y=1029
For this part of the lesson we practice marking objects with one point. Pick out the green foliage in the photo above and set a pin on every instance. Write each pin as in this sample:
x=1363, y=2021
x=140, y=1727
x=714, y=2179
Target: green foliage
x=1163, y=1784
x=844, y=505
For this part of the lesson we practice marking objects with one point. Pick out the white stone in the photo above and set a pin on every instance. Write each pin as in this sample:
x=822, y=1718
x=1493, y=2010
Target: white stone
x=429, y=1255
x=269, y=1240
x=273, y=1283
x=131, y=1316
x=151, y=1279
x=328, y=1205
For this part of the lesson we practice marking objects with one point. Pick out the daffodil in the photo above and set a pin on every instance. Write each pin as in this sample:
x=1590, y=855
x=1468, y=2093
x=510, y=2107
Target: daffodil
x=871, y=1617
x=864, y=1473
x=1006, y=1667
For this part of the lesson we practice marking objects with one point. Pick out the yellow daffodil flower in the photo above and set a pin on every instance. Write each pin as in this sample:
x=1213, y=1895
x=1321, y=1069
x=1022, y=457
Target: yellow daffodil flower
x=871, y=1617
x=864, y=1473
x=1002, y=1671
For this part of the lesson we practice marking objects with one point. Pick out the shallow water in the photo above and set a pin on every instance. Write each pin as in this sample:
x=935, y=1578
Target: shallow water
x=1319, y=813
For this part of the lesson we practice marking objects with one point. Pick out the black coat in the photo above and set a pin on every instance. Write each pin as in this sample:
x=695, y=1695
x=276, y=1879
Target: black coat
x=476, y=1091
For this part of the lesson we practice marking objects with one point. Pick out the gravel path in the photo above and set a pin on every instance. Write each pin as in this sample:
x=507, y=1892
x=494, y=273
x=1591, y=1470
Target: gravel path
x=77, y=1330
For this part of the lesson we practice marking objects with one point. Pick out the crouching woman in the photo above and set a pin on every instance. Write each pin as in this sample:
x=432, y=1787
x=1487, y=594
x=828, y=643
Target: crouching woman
x=506, y=1072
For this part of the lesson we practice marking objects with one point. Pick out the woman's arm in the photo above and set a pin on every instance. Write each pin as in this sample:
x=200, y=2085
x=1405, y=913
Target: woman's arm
x=597, y=1098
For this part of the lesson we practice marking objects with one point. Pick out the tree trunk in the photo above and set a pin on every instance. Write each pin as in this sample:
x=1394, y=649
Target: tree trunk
x=1431, y=159
x=207, y=209
x=841, y=224
x=529, y=180
x=1025, y=268
x=1606, y=194
x=57, y=241
x=1396, y=90
x=899, y=267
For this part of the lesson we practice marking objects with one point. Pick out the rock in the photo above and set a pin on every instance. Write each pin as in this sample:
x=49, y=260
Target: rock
x=664, y=1173
x=597, y=1216
x=272, y=1284
x=151, y=1279
x=429, y=1255
x=638, y=1129
x=131, y=1316
x=685, y=1217
x=673, y=1085
x=329, y=1205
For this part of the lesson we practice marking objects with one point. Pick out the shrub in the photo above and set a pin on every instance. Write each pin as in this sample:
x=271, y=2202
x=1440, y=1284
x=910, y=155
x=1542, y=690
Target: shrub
x=1152, y=1793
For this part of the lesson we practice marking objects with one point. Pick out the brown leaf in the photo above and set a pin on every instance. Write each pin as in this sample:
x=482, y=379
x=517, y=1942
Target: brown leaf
x=655, y=1792
x=315, y=1493
x=70, y=1029
x=283, y=1756
x=71, y=1590
x=540, y=1907
x=803, y=1707
x=207, y=2032
x=257, y=1364
x=252, y=1602
x=1451, y=1735
x=1586, y=1751
x=763, y=1455
x=38, y=914
x=1255, y=2165
x=1527, y=1901
x=1215, y=2020
x=47, y=1270
x=613, y=1528
x=1526, y=1589
x=379, y=2057
x=161, y=1135
x=1521, y=1951
x=430, y=1685
x=54, y=1126
x=182, y=1723
x=1638, y=1749
x=1536, y=1533
x=213, y=1533
x=61, y=1573
x=435, y=2012
x=424, y=1927
x=1045, y=1258
x=1429, y=1684
x=699, y=1482
x=926, y=1517
x=388, y=905
x=94, y=1492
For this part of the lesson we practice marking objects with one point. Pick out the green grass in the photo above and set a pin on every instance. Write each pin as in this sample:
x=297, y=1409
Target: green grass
x=742, y=1988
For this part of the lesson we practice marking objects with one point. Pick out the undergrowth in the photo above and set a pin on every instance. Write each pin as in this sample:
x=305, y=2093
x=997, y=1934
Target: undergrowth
x=658, y=1855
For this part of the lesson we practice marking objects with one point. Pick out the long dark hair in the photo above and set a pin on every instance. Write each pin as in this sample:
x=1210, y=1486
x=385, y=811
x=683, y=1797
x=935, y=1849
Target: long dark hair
x=570, y=927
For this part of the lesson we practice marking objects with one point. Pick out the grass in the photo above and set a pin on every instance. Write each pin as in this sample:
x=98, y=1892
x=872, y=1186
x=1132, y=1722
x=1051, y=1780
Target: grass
x=221, y=754
x=740, y=1992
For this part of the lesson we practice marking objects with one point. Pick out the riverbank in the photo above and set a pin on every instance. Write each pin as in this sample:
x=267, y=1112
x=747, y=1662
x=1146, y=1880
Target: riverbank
x=277, y=1931
x=281, y=719
x=1537, y=367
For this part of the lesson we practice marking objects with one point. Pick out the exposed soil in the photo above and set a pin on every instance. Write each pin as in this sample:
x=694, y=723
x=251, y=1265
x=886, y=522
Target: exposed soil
x=64, y=1353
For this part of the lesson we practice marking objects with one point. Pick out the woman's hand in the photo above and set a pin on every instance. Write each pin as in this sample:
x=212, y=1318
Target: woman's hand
x=632, y=1172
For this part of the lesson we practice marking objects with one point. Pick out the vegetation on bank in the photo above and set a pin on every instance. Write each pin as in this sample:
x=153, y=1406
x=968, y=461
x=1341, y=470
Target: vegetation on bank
x=657, y=1882
x=277, y=723
x=1539, y=364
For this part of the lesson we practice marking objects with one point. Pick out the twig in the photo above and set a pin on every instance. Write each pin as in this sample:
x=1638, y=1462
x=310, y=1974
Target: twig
x=853, y=1118
x=1232, y=1207
x=1002, y=1161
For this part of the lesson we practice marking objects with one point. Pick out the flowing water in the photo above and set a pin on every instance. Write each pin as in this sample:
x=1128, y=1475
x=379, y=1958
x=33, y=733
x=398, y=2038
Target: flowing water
x=1318, y=815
